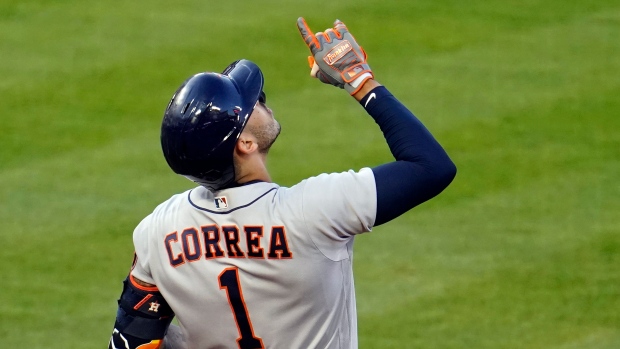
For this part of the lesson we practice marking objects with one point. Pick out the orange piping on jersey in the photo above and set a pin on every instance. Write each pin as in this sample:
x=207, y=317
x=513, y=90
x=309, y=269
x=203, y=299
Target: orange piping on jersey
x=140, y=287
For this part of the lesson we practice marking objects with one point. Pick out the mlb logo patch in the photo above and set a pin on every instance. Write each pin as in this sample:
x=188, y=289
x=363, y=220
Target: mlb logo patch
x=221, y=202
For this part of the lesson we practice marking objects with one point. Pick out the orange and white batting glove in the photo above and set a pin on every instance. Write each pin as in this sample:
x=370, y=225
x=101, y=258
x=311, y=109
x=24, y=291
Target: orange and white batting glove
x=336, y=58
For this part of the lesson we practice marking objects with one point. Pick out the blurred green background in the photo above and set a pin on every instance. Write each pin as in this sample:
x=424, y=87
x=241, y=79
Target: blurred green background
x=521, y=251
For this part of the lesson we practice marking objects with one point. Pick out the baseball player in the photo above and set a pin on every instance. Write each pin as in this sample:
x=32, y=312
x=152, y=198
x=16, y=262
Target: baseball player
x=242, y=262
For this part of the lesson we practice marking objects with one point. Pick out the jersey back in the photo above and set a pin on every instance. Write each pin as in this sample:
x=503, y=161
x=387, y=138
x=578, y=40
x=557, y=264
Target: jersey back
x=260, y=266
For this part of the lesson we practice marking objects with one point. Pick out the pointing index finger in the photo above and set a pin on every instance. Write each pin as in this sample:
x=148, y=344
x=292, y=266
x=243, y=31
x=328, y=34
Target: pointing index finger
x=307, y=35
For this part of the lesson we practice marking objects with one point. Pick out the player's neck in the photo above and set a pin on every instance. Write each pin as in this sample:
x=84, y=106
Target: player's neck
x=252, y=168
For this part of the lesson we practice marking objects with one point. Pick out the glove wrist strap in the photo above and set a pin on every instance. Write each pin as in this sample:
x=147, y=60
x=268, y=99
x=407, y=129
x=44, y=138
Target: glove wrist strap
x=353, y=86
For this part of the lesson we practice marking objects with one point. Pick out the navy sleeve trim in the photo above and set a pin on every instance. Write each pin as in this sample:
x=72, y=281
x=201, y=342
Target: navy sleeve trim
x=422, y=168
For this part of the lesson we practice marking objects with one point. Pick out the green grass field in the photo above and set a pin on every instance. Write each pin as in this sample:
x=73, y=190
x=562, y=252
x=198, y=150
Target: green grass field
x=522, y=251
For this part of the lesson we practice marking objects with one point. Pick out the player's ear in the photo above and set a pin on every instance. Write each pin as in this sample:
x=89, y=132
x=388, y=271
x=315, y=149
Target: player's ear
x=246, y=144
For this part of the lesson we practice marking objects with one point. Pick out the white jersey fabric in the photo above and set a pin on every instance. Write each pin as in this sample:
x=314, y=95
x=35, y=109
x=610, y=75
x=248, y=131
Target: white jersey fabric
x=260, y=265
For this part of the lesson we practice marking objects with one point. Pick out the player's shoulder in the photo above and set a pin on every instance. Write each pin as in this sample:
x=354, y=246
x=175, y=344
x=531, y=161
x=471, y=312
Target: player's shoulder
x=328, y=186
x=160, y=210
x=172, y=202
x=336, y=180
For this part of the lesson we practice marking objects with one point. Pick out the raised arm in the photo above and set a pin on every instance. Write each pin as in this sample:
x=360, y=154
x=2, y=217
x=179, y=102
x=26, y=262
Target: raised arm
x=421, y=169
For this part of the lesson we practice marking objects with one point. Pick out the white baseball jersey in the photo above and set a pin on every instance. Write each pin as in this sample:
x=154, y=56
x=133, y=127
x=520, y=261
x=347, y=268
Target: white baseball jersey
x=260, y=266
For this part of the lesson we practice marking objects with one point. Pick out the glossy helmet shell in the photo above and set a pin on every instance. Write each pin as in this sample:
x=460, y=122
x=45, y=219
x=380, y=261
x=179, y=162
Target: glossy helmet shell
x=204, y=119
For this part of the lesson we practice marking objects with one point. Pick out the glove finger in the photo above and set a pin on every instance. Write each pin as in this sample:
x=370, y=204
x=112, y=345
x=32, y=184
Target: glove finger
x=324, y=78
x=332, y=34
x=340, y=27
x=322, y=38
x=307, y=35
x=311, y=62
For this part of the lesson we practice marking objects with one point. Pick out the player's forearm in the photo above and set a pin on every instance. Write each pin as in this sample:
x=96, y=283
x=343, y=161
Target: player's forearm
x=407, y=137
x=422, y=170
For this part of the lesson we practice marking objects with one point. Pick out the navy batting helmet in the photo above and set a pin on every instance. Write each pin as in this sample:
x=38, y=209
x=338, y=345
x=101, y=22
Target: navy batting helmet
x=204, y=119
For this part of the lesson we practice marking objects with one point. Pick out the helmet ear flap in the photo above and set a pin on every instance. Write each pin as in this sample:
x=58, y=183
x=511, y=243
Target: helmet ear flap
x=204, y=119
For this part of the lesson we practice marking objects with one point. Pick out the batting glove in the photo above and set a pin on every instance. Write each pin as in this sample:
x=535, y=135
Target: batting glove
x=336, y=58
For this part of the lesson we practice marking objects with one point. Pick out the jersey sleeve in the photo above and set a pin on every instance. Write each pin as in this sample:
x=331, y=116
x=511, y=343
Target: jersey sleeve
x=338, y=206
x=141, y=269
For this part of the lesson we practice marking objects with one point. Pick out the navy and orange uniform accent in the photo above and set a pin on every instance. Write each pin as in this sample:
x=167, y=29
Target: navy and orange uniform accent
x=278, y=248
x=178, y=259
x=231, y=235
x=229, y=281
x=253, y=234
x=190, y=247
x=142, y=319
x=212, y=240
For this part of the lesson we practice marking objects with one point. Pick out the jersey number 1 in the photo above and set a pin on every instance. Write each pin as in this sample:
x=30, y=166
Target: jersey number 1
x=229, y=280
